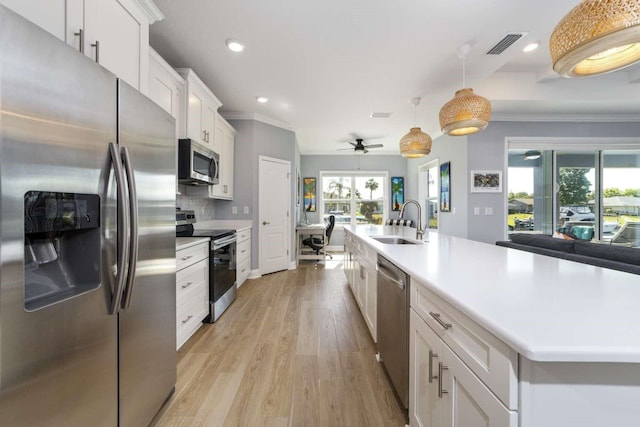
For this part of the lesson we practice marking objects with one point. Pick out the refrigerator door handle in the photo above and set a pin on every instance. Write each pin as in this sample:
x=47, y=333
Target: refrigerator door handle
x=133, y=228
x=123, y=230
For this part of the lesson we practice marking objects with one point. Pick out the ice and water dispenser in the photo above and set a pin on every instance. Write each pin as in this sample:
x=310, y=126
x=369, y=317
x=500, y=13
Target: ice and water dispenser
x=61, y=246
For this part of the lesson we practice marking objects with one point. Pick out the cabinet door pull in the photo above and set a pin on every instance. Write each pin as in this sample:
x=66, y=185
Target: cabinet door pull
x=187, y=285
x=431, y=356
x=185, y=258
x=187, y=319
x=97, y=46
x=441, y=368
x=436, y=316
x=80, y=35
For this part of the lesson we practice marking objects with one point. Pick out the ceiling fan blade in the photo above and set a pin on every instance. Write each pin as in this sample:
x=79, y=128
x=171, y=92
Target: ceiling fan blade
x=344, y=149
x=375, y=146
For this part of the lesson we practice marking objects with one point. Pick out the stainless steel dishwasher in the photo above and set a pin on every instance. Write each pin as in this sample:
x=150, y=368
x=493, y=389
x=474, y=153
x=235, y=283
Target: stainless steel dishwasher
x=393, y=325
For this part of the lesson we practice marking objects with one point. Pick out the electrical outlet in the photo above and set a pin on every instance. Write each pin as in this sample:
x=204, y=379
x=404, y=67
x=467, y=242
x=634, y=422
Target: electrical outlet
x=476, y=211
x=246, y=210
x=234, y=210
x=488, y=211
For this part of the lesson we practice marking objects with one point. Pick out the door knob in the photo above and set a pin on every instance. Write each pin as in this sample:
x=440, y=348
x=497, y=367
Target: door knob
x=265, y=223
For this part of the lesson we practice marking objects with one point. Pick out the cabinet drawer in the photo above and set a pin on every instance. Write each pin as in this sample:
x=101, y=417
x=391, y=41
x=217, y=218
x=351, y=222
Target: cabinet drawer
x=243, y=250
x=242, y=270
x=189, y=317
x=243, y=235
x=188, y=256
x=495, y=363
x=193, y=279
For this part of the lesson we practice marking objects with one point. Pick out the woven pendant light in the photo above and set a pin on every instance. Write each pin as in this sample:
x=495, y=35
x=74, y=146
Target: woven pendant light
x=467, y=112
x=416, y=143
x=595, y=37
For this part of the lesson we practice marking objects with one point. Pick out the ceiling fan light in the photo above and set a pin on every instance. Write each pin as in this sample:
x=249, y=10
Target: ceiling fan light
x=596, y=37
x=465, y=114
x=415, y=144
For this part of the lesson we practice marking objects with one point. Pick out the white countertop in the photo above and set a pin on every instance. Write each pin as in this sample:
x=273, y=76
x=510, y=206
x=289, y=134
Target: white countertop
x=187, y=242
x=545, y=308
x=236, y=224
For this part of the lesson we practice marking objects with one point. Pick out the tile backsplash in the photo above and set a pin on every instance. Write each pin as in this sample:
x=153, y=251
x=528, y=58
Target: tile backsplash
x=203, y=208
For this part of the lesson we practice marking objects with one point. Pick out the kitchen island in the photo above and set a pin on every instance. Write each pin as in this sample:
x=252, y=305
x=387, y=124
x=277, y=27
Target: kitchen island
x=549, y=342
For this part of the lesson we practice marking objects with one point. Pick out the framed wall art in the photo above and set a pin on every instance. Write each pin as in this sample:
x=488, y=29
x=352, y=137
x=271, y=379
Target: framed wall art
x=310, y=194
x=397, y=192
x=486, y=181
x=445, y=187
x=298, y=188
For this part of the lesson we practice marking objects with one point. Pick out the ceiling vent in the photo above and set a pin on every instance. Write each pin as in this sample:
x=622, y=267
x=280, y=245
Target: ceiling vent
x=505, y=43
x=380, y=115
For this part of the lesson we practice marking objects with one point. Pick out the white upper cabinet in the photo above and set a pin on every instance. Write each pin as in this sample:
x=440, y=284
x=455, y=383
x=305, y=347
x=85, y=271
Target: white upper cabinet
x=114, y=33
x=225, y=146
x=168, y=89
x=202, y=107
x=50, y=15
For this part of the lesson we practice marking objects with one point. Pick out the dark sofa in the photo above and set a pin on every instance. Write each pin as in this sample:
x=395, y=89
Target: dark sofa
x=602, y=255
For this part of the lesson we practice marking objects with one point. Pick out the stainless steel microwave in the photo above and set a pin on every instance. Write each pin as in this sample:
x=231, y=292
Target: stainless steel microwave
x=197, y=165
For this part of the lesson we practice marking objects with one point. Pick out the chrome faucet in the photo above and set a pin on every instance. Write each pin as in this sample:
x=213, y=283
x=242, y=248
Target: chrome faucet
x=419, y=230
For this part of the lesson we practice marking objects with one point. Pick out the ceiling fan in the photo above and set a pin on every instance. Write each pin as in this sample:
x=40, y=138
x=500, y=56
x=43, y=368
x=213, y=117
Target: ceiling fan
x=360, y=147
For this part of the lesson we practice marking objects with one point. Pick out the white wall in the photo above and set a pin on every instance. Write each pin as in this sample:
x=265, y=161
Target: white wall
x=254, y=139
x=487, y=150
x=446, y=149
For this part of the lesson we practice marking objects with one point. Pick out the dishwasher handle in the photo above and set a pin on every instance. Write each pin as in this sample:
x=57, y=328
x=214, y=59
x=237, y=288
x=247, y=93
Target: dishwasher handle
x=384, y=271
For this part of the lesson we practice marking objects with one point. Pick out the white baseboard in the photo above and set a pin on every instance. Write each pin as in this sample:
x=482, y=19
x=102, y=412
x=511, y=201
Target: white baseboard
x=293, y=265
x=254, y=274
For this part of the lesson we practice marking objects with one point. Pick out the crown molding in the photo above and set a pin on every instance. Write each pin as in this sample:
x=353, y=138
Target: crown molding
x=231, y=115
x=151, y=10
x=579, y=118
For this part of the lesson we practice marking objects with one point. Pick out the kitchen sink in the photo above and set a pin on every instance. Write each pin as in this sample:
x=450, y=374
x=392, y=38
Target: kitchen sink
x=395, y=240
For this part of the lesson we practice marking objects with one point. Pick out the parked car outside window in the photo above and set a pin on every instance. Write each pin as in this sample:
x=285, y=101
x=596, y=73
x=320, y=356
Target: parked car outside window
x=576, y=213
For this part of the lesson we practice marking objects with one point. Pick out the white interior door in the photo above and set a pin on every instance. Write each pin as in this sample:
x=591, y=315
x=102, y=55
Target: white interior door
x=274, y=202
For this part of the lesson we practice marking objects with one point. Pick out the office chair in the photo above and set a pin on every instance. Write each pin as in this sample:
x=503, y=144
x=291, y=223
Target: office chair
x=318, y=244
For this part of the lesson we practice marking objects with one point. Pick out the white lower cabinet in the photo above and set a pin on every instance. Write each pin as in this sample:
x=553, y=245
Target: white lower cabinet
x=425, y=351
x=243, y=255
x=192, y=290
x=443, y=389
x=360, y=269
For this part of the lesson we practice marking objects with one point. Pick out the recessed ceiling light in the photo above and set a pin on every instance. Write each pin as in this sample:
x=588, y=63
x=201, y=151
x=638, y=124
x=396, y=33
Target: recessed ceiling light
x=531, y=47
x=235, y=45
x=262, y=99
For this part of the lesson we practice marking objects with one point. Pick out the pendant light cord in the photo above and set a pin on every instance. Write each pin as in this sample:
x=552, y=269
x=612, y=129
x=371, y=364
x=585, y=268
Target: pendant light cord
x=464, y=77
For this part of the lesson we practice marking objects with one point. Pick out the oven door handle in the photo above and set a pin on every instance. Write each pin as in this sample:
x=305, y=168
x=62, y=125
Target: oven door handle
x=220, y=243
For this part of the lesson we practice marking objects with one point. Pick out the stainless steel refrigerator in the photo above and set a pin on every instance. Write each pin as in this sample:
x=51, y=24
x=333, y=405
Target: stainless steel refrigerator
x=87, y=229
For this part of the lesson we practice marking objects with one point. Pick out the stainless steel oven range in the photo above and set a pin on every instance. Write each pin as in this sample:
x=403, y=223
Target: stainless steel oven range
x=222, y=262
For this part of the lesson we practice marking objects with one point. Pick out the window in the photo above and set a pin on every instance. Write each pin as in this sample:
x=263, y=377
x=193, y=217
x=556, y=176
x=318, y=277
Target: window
x=428, y=187
x=354, y=197
x=576, y=188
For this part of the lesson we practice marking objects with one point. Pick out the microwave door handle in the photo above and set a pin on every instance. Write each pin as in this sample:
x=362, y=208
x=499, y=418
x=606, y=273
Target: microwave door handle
x=213, y=168
x=133, y=225
x=123, y=229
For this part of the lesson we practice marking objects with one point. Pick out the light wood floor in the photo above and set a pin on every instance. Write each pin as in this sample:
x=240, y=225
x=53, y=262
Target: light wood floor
x=292, y=350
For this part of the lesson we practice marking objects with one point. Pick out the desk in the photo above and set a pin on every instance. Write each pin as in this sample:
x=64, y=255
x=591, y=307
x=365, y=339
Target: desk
x=310, y=230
